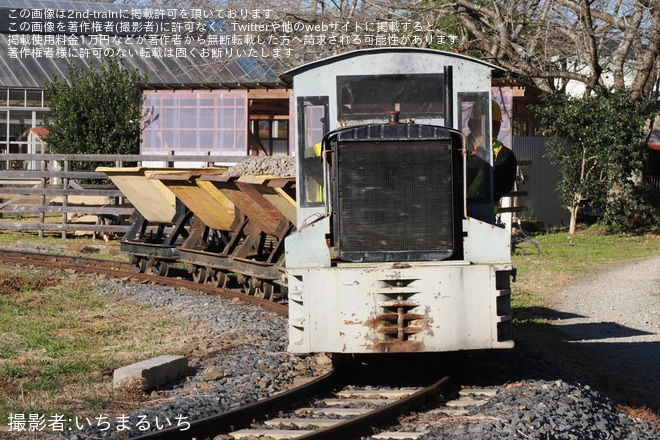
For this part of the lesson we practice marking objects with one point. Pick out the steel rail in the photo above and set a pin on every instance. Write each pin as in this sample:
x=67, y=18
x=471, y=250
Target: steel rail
x=356, y=427
x=363, y=424
x=212, y=426
x=228, y=421
x=117, y=269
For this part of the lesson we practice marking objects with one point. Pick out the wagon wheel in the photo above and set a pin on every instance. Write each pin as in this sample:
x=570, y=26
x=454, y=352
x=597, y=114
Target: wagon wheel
x=159, y=268
x=218, y=278
x=265, y=290
x=250, y=285
x=199, y=274
x=139, y=263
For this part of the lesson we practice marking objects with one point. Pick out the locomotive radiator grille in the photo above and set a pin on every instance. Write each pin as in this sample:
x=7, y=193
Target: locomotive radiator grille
x=398, y=322
x=395, y=200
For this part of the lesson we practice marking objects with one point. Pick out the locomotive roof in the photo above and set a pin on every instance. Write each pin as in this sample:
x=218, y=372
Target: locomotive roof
x=287, y=76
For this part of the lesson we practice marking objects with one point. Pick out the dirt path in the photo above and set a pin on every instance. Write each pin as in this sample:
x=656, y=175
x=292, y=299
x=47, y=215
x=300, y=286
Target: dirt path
x=615, y=317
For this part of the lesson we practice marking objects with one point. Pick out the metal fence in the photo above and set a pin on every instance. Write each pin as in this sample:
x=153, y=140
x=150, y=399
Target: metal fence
x=540, y=181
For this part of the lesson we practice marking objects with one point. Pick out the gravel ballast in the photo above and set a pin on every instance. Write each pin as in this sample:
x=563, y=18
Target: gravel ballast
x=547, y=410
x=245, y=360
x=544, y=399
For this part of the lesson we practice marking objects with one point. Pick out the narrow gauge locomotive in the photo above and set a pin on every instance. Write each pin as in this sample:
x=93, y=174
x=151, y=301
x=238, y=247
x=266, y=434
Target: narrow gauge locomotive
x=387, y=255
x=388, y=249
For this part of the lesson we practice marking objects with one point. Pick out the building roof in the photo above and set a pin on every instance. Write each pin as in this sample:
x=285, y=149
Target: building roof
x=40, y=132
x=29, y=53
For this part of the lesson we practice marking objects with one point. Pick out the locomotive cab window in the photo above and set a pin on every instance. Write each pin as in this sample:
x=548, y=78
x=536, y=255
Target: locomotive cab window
x=474, y=120
x=371, y=97
x=313, y=125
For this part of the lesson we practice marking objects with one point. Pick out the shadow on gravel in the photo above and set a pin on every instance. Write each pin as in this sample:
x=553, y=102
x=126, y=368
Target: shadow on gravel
x=602, y=330
x=526, y=314
x=550, y=347
x=626, y=372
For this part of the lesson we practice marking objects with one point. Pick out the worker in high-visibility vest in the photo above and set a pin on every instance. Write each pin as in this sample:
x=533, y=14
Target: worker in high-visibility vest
x=313, y=173
x=478, y=167
x=505, y=164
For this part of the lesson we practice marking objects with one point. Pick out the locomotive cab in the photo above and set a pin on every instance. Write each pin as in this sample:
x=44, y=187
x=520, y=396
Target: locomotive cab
x=389, y=254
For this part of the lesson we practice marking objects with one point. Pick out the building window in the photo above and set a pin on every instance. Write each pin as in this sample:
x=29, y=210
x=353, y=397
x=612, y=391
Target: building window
x=197, y=122
x=22, y=109
x=269, y=137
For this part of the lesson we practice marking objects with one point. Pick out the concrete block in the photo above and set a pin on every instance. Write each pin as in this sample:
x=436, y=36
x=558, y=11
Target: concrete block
x=150, y=373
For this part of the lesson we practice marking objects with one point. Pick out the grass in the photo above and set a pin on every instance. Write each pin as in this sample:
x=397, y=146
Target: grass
x=563, y=259
x=60, y=341
x=52, y=243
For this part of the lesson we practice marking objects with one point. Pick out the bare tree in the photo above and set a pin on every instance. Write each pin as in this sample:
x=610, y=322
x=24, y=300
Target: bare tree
x=595, y=42
x=608, y=43
x=321, y=28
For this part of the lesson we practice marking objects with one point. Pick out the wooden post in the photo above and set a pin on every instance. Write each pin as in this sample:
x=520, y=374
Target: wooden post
x=65, y=186
x=42, y=198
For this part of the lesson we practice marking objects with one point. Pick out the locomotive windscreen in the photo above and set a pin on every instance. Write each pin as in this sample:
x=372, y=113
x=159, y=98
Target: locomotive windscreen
x=394, y=200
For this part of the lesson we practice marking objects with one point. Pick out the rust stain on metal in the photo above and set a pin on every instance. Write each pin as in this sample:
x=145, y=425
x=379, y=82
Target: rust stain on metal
x=399, y=347
x=392, y=330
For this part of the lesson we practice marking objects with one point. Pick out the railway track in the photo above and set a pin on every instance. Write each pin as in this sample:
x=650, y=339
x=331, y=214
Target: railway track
x=332, y=407
x=326, y=408
x=125, y=270
x=336, y=405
